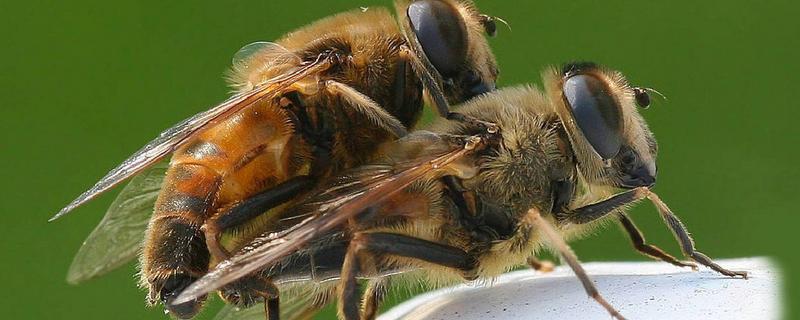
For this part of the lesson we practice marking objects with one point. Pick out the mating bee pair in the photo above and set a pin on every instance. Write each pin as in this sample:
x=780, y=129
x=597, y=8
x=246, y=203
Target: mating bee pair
x=307, y=180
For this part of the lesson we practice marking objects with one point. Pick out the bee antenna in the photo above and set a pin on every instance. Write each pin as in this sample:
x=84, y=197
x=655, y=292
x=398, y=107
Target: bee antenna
x=503, y=21
x=658, y=93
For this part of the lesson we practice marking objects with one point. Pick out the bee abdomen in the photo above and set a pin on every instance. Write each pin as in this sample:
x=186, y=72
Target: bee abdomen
x=175, y=246
x=174, y=236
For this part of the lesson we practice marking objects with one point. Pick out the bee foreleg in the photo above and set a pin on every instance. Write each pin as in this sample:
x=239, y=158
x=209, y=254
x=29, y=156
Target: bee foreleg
x=433, y=84
x=366, y=246
x=647, y=249
x=558, y=243
x=429, y=77
x=399, y=84
x=686, y=242
x=246, y=210
x=367, y=107
x=600, y=209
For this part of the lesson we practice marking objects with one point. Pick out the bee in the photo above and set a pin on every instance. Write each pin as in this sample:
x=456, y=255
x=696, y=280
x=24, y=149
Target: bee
x=458, y=203
x=313, y=103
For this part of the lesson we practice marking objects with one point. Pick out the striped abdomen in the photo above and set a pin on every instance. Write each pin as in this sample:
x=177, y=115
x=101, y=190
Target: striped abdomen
x=245, y=154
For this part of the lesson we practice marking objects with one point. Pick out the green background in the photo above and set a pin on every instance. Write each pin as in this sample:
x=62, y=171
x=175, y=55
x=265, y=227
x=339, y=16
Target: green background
x=85, y=83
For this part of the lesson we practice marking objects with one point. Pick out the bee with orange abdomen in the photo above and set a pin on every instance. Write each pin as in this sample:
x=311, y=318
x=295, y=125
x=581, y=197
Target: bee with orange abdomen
x=313, y=103
x=458, y=203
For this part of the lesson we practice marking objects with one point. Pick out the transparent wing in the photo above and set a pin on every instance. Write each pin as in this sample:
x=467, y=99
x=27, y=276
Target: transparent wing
x=351, y=194
x=259, y=60
x=174, y=137
x=230, y=312
x=246, y=53
x=118, y=237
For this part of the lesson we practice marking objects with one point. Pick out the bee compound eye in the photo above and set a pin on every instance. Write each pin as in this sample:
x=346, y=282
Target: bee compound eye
x=596, y=113
x=441, y=32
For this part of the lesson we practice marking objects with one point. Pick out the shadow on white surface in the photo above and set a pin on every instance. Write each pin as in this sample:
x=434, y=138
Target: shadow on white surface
x=639, y=290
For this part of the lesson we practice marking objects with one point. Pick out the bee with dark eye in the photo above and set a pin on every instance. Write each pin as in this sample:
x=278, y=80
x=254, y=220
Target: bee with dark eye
x=308, y=106
x=459, y=203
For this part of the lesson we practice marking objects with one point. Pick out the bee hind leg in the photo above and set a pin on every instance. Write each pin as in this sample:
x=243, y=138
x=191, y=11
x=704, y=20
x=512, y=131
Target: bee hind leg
x=244, y=211
x=366, y=246
x=253, y=289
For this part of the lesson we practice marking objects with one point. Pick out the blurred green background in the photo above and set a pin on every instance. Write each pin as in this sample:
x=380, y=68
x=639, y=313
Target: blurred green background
x=85, y=83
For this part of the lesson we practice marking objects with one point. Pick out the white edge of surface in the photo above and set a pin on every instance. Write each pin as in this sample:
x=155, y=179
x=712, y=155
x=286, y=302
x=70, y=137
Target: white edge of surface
x=639, y=290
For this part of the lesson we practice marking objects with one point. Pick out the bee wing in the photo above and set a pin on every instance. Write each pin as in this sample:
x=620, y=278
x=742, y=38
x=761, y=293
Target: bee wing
x=118, y=237
x=174, y=137
x=350, y=194
x=231, y=312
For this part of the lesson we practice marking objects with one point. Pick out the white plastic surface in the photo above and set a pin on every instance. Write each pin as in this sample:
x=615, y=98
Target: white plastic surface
x=639, y=290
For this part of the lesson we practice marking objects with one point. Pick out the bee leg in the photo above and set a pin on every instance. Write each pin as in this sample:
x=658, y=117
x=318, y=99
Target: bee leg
x=540, y=265
x=248, y=209
x=366, y=246
x=272, y=308
x=600, y=209
x=430, y=79
x=484, y=125
x=399, y=84
x=558, y=243
x=432, y=82
x=367, y=107
x=250, y=290
x=373, y=297
x=647, y=249
x=464, y=199
x=686, y=242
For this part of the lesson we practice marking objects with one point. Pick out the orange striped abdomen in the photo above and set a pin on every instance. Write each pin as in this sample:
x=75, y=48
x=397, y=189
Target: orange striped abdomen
x=244, y=154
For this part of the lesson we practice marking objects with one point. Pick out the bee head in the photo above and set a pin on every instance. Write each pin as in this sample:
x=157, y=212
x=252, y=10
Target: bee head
x=450, y=35
x=609, y=137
